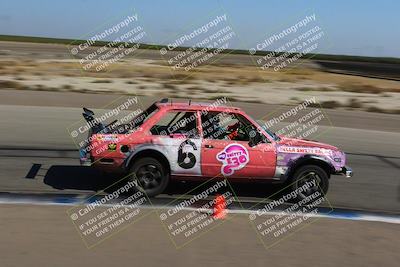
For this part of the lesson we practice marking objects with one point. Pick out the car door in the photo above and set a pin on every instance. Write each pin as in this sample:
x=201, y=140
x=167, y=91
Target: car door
x=227, y=154
x=176, y=134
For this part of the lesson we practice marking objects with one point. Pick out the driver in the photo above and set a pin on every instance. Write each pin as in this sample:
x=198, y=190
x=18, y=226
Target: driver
x=234, y=130
x=238, y=131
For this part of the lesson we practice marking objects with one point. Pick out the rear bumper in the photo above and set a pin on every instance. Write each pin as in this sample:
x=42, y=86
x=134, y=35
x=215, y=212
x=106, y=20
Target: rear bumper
x=84, y=158
x=346, y=171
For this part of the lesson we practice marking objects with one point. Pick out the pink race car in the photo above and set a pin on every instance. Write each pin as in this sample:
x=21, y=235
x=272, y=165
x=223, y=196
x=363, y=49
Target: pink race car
x=196, y=141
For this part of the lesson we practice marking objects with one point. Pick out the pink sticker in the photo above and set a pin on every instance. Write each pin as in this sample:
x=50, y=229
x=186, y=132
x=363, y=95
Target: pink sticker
x=305, y=150
x=234, y=157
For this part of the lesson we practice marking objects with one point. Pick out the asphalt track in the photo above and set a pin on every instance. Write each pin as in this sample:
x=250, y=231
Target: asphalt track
x=36, y=134
x=45, y=236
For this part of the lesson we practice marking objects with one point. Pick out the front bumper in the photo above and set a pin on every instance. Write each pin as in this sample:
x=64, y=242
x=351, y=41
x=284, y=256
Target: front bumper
x=346, y=171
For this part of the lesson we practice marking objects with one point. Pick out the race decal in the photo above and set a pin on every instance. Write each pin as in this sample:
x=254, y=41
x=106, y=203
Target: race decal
x=112, y=147
x=305, y=150
x=233, y=157
x=107, y=137
x=186, y=159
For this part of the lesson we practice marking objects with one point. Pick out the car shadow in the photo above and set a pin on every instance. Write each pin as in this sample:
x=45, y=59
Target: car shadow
x=79, y=178
x=239, y=189
x=64, y=177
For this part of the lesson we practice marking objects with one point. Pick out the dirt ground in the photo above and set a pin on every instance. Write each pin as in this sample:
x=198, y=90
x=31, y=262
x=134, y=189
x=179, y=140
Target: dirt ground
x=56, y=70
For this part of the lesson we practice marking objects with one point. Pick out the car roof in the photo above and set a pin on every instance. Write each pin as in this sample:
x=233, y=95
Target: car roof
x=189, y=105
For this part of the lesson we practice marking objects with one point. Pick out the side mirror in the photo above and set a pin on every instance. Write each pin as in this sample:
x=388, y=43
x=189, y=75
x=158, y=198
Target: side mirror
x=256, y=139
x=88, y=112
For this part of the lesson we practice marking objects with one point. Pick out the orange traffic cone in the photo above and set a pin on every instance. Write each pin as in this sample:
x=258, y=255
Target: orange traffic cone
x=219, y=207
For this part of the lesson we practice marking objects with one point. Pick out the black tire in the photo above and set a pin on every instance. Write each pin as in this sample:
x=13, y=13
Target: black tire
x=151, y=175
x=308, y=173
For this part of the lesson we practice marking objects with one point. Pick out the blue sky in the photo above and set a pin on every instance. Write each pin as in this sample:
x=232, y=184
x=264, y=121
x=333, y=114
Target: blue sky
x=352, y=27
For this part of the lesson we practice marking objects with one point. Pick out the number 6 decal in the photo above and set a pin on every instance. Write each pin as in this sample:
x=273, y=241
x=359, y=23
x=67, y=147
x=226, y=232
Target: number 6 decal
x=186, y=160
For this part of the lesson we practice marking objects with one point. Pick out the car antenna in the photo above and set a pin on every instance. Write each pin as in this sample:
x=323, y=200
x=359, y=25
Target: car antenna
x=190, y=101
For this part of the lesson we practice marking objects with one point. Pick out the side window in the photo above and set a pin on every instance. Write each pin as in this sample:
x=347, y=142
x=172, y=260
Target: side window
x=177, y=122
x=226, y=126
x=211, y=125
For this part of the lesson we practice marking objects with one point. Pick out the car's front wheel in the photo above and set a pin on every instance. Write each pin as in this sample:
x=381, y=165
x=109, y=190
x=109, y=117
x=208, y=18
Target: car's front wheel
x=308, y=180
x=151, y=175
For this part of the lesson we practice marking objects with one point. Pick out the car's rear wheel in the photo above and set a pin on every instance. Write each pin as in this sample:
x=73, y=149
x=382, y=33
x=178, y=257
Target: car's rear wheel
x=151, y=175
x=308, y=180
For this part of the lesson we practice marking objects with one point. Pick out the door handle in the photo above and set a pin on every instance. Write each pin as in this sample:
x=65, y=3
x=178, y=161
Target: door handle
x=208, y=146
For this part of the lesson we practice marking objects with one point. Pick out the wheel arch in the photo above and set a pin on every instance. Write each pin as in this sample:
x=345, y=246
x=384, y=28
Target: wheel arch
x=311, y=160
x=148, y=152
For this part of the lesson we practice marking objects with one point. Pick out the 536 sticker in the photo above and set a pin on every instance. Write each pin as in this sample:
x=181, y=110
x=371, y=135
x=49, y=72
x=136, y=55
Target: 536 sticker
x=233, y=157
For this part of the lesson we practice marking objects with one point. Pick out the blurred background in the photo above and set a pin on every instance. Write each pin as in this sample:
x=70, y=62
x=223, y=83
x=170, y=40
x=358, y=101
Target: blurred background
x=263, y=56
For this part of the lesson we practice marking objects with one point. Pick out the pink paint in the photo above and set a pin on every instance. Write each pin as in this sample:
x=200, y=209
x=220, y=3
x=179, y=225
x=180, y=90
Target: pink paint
x=233, y=157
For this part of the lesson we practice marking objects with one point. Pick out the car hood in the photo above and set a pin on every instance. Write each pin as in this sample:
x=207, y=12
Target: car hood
x=286, y=141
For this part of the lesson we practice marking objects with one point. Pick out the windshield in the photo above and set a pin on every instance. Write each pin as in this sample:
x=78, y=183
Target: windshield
x=269, y=132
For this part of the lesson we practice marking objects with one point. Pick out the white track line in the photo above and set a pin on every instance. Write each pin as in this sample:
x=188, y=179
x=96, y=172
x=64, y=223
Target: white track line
x=354, y=216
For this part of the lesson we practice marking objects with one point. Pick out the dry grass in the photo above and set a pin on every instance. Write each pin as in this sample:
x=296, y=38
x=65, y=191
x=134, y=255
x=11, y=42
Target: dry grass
x=102, y=81
x=330, y=104
x=67, y=87
x=298, y=71
x=319, y=89
x=8, y=63
x=169, y=86
x=287, y=79
x=375, y=109
x=366, y=89
x=195, y=88
x=10, y=85
x=194, y=84
x=380, y=110
x=131, y=82
x=354, y=103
